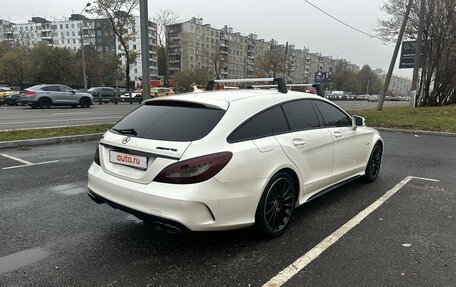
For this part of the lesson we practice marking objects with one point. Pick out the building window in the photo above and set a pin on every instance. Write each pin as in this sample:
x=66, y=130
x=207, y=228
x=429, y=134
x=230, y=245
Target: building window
x=73, y=33
x=74, y=41
x=68, y=34
x=61, y=26
x=134, y=47
x=66, y=26
x=72, y=26
x=136, y=71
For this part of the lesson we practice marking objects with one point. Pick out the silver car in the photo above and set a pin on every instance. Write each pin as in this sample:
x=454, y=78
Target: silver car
x=45, y=96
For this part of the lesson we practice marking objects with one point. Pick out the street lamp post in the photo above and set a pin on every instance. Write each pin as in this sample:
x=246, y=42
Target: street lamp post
x=84, y=73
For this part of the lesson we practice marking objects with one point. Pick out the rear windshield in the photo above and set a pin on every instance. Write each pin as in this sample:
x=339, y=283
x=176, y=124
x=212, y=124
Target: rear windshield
x=169, y=121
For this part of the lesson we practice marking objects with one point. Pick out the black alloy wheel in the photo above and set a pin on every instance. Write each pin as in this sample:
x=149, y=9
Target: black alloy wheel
x=276, y=205
x=85, y=102
x=44, y=103
x=374, y=164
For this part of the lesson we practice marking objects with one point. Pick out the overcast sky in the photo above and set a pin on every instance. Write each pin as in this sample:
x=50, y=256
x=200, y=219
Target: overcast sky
x=294, y=21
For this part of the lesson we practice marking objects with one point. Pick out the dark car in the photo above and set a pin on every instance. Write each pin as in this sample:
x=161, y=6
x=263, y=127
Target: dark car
x=107, y=94
x=13, y=99
x=45, y=96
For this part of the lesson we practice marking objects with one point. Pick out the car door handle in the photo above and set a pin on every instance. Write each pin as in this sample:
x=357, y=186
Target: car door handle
x=299, y=142
x=338, y=134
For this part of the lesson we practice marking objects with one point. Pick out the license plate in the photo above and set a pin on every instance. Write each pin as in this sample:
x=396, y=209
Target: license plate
x=128, y=159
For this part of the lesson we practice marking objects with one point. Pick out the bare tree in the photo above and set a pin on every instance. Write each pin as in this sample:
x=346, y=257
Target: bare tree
x=271, y=63
x=163, y=19
x=439, y=44
x=120, y=17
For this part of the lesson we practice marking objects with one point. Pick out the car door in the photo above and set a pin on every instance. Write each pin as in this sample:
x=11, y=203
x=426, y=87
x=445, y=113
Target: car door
x=54, y=93
x=349, y=144
x=308, y=144
x=69, y=97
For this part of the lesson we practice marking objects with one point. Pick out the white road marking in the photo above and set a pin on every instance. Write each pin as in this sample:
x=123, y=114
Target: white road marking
x=17, y=159
x=286, y=274
x=25, y=163
x=77, y=113
x=31, y=164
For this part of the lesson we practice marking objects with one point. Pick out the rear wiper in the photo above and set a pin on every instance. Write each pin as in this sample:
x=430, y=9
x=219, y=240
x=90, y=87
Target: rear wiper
x=126, y=131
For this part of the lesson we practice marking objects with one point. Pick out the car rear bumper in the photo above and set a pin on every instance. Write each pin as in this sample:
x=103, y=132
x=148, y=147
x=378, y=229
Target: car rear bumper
x=206, y=206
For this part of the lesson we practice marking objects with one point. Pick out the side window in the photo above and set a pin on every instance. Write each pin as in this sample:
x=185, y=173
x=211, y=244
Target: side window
x=66, y=89
x=51, y=89
x=280, y=122
x=301, y=115
x=332, y=116
x=259, y=126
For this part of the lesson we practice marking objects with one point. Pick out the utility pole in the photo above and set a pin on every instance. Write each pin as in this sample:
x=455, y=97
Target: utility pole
x=285, y=71
x=84, y=73
x=145, y=49
x=393, y=59
x=417, y=63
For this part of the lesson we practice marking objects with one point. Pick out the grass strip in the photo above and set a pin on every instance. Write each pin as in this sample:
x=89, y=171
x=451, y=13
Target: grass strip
x=438, y=119
x=52, y=132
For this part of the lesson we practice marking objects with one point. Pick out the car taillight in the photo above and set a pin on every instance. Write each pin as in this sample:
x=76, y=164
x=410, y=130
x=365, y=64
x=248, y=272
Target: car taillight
x=29, y=92
x=96, y=158
x=194, y=170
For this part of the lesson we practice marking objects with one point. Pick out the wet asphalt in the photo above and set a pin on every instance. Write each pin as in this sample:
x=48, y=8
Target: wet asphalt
x=52, y=234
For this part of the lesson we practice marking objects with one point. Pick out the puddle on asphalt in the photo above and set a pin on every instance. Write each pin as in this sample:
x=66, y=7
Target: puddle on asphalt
x=19, y=259
x=69, y=189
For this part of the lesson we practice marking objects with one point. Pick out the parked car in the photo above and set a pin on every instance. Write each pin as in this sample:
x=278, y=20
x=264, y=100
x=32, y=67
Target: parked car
x=136, y=96
x=373, y=98
x=45, y=96
x=230, y=159
x=107, y=94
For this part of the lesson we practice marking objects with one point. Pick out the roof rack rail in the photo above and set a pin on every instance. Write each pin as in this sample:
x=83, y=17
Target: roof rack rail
x=316, y=86
x=281, y=85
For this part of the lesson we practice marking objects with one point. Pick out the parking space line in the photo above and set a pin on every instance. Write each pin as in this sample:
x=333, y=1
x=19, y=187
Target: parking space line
x=17, y=159
x=287, y=273
x=32, y=164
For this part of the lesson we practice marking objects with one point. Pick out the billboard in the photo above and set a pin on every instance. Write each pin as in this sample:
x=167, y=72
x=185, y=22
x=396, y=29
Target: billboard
x=407, y=59
x=323, y=77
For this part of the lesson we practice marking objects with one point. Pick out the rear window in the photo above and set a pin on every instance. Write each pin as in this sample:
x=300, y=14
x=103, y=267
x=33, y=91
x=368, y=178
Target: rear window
x=171, y=121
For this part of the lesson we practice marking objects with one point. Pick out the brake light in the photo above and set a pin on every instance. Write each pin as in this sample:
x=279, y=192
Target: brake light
x=96, y=158
x=27, y=92
x=194, y=170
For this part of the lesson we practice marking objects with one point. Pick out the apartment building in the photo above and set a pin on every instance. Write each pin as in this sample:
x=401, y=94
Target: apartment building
x=95, y=32
x=228, y=54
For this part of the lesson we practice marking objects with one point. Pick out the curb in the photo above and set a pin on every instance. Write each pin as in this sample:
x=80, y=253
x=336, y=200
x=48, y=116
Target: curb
x=54, y=140
x=416, y=132
x=97, y=136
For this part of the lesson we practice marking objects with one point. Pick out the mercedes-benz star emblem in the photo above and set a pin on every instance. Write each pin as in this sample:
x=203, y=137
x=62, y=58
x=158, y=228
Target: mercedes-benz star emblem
x=125, y=140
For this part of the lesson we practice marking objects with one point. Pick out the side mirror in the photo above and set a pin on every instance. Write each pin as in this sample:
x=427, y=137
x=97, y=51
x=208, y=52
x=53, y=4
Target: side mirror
x=357, y=121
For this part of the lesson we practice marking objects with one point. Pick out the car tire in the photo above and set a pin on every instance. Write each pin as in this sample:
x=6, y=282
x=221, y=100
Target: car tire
x=85, y=102
x=44, y=103
x=374, y=164
x=276, y=205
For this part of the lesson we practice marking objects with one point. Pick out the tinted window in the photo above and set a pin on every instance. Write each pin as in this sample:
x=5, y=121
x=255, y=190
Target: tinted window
x=259, y=126
x=301, y=115
x=51, y=89
x=332, y=116
x=171, y=121
x=280, y=122
x=66, y=89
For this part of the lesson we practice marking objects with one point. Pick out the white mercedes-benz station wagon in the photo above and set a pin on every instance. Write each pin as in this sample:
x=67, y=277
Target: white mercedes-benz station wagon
x=229, y=159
